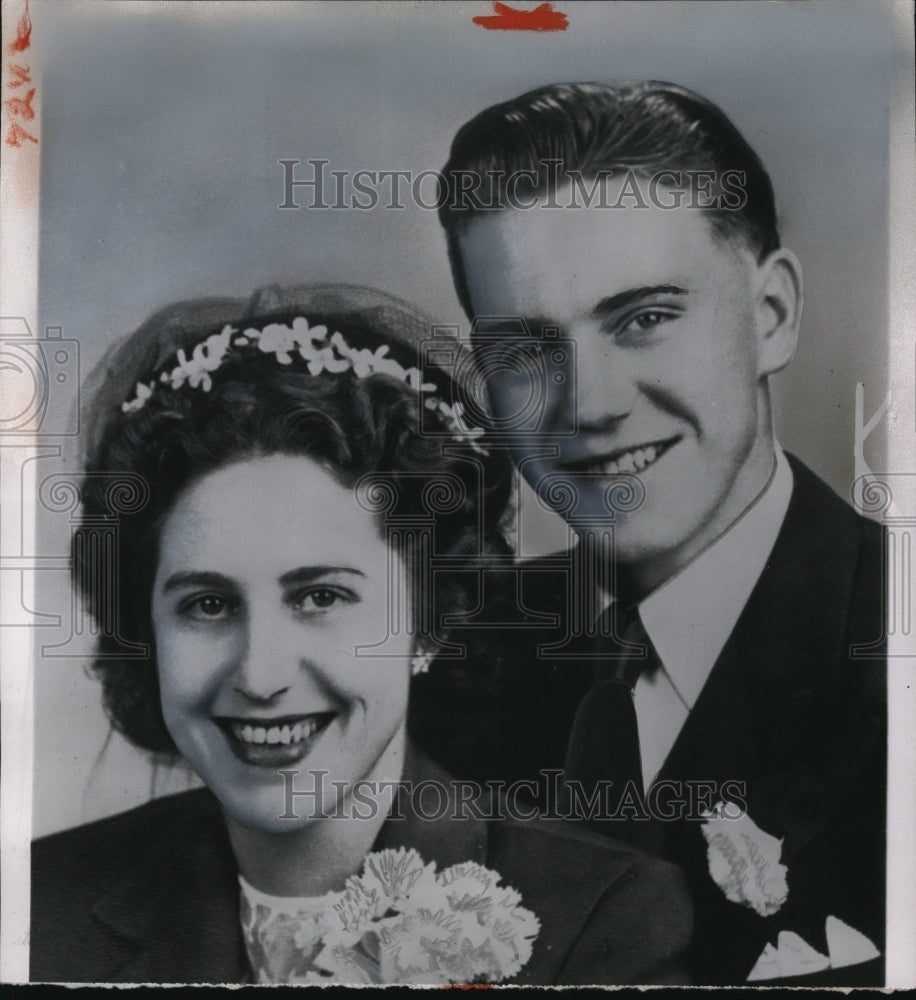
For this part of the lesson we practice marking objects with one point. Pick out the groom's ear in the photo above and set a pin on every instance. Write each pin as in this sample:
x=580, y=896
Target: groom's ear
x=459, y=276
x=778, y=301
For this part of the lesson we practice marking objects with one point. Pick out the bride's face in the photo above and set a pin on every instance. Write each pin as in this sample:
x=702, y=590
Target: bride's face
x=270, y=578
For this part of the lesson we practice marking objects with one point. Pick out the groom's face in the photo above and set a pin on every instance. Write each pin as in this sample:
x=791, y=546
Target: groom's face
x=668, y=386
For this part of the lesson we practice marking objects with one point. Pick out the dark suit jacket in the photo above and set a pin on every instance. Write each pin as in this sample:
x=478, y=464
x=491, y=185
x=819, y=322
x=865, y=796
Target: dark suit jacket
x=795, y=707
x=151, y=895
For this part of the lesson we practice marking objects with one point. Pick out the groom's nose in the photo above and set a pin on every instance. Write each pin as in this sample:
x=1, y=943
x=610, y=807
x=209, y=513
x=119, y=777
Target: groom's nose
x=605, y=387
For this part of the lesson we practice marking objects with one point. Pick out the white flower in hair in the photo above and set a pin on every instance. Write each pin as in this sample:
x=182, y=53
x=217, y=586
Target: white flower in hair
x=143, y=393
x=453, y=417
x=205, y=358
x=281, y=340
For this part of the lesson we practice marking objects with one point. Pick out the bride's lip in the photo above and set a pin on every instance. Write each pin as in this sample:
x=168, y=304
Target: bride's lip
x=273, y=741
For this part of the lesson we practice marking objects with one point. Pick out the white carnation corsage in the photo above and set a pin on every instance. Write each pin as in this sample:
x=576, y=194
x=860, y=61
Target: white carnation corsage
x=744, y=861
x=400, y=921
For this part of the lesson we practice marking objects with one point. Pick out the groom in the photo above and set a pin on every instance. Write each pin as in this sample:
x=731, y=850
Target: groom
x=615, y=246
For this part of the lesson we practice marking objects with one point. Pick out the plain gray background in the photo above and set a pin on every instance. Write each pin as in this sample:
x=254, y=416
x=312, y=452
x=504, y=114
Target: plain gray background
x=162, y=128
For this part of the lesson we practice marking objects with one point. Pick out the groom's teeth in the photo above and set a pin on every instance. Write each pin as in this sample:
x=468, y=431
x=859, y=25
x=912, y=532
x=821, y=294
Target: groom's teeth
x=247, y=734
x=285, y=735
x=631, y=461
x=297, y=732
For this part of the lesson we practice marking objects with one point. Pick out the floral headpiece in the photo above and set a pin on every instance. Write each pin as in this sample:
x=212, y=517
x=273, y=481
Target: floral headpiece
x=323, y=352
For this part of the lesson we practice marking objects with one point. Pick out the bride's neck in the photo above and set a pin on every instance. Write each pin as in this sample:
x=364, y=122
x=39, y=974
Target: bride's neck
x=319, y=856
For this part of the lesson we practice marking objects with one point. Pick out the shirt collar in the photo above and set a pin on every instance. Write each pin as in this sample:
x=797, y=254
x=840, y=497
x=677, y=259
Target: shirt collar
x=690, y=617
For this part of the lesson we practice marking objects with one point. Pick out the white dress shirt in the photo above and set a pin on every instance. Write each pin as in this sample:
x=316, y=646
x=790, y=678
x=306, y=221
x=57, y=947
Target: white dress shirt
x=690, y=617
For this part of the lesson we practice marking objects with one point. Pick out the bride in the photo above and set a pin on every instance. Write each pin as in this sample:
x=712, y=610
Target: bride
x=280, y=572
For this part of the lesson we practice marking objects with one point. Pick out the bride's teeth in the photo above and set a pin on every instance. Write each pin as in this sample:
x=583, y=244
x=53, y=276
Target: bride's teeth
x=626, y=464
x=275, y=735
x=639, y=458
x=650, y=453
x=612, y=469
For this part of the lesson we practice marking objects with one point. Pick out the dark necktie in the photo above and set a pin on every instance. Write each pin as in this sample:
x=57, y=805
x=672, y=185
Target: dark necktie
x=602, y=757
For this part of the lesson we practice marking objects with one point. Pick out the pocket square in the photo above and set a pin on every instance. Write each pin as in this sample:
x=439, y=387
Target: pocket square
x=793, y=956
x=847, y=946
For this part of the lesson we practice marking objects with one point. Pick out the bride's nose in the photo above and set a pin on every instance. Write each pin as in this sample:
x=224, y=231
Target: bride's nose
x=269, y=658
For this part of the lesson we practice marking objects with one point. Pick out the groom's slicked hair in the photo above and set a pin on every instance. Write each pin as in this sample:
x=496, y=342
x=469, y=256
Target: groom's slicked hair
x=589, y=129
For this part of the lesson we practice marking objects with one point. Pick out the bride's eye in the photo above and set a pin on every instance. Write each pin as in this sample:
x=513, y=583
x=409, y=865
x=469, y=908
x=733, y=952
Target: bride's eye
x=320, y=599
x=207, y=607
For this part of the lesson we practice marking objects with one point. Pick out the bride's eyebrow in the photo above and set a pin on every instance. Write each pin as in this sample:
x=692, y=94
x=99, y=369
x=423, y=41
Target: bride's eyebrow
x=196, y=578
x=307, y=574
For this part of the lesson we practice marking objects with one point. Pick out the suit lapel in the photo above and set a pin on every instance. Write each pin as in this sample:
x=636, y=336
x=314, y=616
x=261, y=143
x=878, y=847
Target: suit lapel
x=425, y=821
x=175, y=917
x=767, y=712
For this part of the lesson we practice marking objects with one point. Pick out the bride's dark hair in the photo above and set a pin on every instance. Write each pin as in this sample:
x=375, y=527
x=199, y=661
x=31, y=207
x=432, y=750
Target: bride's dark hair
x=354, y=427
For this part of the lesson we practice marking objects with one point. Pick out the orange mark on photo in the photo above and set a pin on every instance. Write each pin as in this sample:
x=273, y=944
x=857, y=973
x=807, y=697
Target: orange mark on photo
x=21, y=73
x=506, y=18
x=16, y=135
x=22, y=107
x=19, y=107
x=23, y=32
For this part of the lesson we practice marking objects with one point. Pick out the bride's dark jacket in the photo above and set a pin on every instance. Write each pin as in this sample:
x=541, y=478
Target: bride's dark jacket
x=151, y=895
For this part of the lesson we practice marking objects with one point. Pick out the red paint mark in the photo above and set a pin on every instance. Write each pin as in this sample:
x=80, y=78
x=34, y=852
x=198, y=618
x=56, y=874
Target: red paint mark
x=506, y=18
x=22, y=74
x=16, y=134
x=22, y=107
x=23, y=32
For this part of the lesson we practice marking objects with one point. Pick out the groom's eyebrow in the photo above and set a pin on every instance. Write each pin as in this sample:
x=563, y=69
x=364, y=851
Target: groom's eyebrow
x=614, y=302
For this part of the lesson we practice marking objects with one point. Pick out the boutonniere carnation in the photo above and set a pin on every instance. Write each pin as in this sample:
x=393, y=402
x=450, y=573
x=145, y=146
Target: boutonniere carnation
x=400, y=921
x=744, y=861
